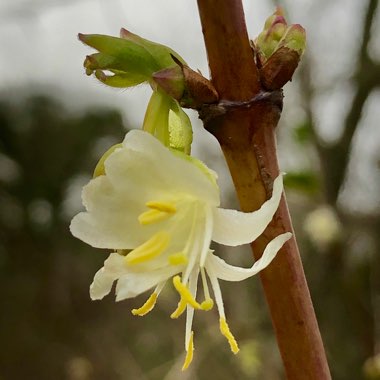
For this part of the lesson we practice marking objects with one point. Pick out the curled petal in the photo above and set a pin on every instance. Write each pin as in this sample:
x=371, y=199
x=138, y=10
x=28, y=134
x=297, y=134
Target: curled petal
x=101, y=285
x=111, y=221
x=104, y=277
x=232, y=227
x=228, y=272
x=132, y=284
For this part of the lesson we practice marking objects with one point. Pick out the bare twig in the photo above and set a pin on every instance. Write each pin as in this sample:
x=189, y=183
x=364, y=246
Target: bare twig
x=247, y=138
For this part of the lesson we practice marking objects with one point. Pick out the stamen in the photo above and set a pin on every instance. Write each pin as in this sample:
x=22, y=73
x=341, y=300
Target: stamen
x=169, y=207
x=208, y=303
x=191, y=247
x=153, y=216
x=185, y=293
x=178, y=258
x=149, y=250
x=147, y=307
x=225, y=330
x=208, y=227
x=189, y=352
x=180, y=309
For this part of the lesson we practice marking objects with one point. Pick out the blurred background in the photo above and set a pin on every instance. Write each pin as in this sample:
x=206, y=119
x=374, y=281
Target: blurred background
x=55, y=122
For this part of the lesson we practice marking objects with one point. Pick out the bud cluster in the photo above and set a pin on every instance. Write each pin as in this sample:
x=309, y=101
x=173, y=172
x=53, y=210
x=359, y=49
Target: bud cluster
x=278, y=49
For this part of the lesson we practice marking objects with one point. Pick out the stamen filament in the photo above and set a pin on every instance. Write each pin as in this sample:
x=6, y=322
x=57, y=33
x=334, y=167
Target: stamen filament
x=192, y=245
x=225, y=330
x=189, y=352
x=208, y=226
x=149, y=250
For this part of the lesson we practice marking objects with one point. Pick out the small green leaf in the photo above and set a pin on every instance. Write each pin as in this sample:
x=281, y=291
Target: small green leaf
x=161, y=53
x=120, y=79
x=129, y=56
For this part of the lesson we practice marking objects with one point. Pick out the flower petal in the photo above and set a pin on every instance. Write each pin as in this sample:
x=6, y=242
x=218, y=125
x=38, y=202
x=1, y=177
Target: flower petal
x=132, y=284
x=104, y=277
x=227, y=272
x=232, y=227
x=112, y=217
x=109, y=217
x=170, y=171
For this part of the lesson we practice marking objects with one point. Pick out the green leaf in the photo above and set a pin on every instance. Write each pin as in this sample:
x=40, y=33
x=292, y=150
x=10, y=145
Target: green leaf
x=120, y=79
x=129, y=56
x=161, y=53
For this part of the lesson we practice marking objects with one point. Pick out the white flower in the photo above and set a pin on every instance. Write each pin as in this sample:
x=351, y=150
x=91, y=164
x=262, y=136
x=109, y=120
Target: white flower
x=159, y=211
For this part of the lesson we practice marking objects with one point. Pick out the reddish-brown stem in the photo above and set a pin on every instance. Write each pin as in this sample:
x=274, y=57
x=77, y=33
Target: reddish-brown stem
x=248, y=141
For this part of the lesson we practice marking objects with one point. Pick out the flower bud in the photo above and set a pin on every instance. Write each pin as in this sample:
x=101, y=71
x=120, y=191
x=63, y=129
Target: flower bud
x=268, y=40
x=278, y=49
x=294, y=39
x=130, y=59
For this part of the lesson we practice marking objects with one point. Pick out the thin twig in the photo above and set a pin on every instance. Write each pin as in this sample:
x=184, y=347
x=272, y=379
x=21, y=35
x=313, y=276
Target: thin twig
x=247, y=138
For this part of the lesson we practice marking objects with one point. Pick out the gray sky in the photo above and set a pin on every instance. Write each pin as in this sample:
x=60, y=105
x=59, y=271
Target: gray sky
x=39, y=47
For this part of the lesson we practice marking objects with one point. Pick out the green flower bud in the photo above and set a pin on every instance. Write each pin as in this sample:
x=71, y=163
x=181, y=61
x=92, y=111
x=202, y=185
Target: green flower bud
x=278, y=49
x=268, y=40
x=99, y=169
x=166, y=120
x=279, y=12
x=180, y=129
x=130, y=59
x=119, y=54
x=294, y=39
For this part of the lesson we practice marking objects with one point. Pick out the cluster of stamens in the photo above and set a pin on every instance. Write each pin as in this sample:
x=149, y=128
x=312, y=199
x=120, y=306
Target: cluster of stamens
x=159, y=211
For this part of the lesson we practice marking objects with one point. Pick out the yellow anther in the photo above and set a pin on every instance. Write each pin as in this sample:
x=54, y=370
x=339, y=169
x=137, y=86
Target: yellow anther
x=169, y=207
x=178, y=259
x=207, y=304
x=225, y=330
x=153, y=216
x=147, y=307
x=149, y=250
x=180, y=309
x=185, y=293
x=189, y=352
